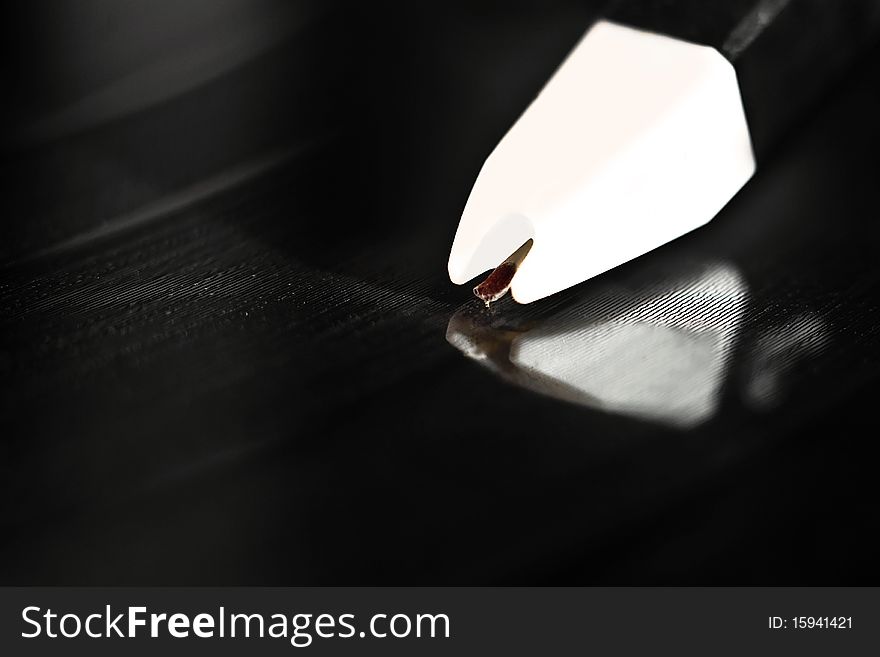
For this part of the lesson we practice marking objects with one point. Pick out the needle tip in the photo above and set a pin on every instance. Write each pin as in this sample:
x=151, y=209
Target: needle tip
x=497, y=284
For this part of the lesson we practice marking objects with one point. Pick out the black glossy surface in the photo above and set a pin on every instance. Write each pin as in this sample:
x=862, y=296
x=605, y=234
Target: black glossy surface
x=258, y=387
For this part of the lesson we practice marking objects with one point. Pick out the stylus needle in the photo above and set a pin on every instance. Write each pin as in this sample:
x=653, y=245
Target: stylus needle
x=498, y=282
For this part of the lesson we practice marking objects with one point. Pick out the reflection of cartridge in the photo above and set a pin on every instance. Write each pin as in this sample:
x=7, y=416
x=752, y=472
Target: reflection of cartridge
x=647, y=130
x=658, y=353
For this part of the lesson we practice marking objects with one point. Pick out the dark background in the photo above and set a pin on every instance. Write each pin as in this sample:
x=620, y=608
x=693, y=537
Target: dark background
x=224, y=311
